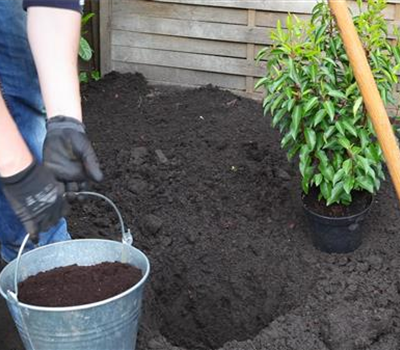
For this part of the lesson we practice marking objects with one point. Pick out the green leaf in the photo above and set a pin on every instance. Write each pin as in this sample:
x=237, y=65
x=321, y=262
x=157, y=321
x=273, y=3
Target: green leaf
x=286, y=140
x=331, y=144
x=289, y=22
x=293, y=71
x=349, y=127
x=345, y=198
x=328, y=132
x=277, y=83
x=96, y=76
x=304, y=151
x=267, y=107
x=314, y=72
x=338, y=176
x=332, y=46
x=291, y=104
x=365, y=165
x=329, y=73
x=317, y=179
x=278, y=117
x=83, y=77
x=366, y=183
x=262, y=53
x=377, y=184
x=330, y=109
x=304, y=164
x=311, y=104
x=330, y=60
x=319, y=116
x=284, y=124
x=308, y=172
x=337, y=160
x=268, y=99
x=364, y=138
x=277, y=102
x=85, y=51
x=320, y=141
x=296, y=119
x=335, y=194
x=261, y=82
x=279, y=29
x=375, y=152
x=326, y=190
x=340, y=128
x=85, y=19
x=321, y=155
x=348, y=184
x=351, y=88
x=327, y=171
x=357, y=105
x=311, y=138
x=384, y=95
x=321, y=30
x=345, y=143
x=293, y=151
x=337, y=94
x=396, y=52
x=347, y=166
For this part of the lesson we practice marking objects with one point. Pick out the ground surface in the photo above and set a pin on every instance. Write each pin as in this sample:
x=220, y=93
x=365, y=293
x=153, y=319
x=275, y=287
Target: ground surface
x=211, y=199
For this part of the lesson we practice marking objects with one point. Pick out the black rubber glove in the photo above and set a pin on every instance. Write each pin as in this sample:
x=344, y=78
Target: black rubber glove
x=36, y=198
x=68, y=152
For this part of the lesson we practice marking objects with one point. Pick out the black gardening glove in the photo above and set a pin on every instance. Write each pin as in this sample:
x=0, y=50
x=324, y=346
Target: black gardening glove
x=36, y=198
x=68, y=152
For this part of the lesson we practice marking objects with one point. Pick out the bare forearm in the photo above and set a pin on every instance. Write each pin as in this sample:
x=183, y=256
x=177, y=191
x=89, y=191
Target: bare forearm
x=14, y=153
x=54, y=39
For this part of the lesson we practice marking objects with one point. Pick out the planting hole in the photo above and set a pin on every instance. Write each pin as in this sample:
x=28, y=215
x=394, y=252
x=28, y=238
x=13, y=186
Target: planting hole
x=207, y=300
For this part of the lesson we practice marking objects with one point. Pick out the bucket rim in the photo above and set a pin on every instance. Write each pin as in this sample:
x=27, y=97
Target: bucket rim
x=84, y=306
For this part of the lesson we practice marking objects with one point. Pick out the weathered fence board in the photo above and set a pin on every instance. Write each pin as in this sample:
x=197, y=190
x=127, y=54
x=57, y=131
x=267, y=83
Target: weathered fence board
x=185, y=77
x=178, y=11
x=195, y=42
x=207, y=63
x=175, y=43
x=192, y=29
x=293, y=6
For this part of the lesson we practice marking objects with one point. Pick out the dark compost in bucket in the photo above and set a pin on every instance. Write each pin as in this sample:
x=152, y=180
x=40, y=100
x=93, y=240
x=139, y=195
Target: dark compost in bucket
x=78, y=285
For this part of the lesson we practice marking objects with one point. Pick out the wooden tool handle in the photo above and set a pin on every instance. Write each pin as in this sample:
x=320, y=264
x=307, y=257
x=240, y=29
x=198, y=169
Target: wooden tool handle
x=369, y=89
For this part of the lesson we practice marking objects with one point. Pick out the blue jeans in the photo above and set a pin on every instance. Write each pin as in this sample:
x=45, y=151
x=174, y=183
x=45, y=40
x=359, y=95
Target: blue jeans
x=20, y=89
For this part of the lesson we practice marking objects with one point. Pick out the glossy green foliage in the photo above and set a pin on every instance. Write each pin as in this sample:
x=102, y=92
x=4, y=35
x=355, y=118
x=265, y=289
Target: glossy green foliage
x=314, y=100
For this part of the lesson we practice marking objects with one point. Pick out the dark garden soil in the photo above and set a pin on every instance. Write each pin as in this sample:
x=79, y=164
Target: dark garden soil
x=78, y=285
x=213, y=202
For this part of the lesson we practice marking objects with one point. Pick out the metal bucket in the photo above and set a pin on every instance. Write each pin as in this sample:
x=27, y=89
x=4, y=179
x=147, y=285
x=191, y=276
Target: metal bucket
x=111, y=324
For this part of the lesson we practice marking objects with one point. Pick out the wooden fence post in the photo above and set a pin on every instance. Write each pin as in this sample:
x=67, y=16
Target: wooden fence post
x=105, y=36
x=251, y=22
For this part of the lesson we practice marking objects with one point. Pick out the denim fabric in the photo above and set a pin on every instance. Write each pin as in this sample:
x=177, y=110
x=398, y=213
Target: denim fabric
x=20, y=89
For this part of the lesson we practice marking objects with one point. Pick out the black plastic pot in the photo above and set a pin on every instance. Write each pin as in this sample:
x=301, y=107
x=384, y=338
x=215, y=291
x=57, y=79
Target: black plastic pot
x=336, y=234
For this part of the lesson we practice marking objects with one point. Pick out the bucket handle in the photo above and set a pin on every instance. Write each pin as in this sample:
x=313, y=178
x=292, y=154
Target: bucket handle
x=126, y=236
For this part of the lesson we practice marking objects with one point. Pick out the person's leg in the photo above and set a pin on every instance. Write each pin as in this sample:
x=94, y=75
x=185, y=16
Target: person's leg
x=20, y=88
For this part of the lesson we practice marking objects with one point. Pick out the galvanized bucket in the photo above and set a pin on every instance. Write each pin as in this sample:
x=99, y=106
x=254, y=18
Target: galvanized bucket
x=111, y=324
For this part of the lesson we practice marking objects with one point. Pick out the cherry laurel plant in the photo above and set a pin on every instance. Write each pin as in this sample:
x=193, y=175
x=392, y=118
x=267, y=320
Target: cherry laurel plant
x=314, y=100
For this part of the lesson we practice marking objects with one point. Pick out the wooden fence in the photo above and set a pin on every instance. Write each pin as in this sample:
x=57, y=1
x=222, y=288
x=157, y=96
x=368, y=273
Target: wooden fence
x=196, y=42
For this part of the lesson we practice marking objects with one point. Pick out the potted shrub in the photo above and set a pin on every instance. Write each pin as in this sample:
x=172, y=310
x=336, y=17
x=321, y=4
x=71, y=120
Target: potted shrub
x=314, y=100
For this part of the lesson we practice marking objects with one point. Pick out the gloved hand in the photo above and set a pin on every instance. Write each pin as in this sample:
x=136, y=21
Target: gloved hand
x=68, y=152
x=36, y=197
